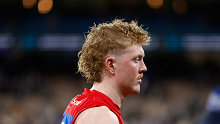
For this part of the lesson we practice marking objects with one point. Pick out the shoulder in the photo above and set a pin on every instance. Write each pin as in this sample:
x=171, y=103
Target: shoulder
x=97, y=115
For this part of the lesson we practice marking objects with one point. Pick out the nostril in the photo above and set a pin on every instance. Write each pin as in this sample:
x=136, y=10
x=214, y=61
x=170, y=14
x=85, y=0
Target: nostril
x=144, y=68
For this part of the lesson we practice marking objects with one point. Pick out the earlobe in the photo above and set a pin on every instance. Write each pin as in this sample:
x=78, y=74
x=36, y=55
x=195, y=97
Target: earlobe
x=109, y=64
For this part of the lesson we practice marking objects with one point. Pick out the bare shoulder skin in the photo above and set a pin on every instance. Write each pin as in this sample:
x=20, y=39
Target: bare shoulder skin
x=97, y=115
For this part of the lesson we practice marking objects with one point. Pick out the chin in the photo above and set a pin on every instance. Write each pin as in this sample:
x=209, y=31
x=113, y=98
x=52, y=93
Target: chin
x=136, y=90
x=132, y=90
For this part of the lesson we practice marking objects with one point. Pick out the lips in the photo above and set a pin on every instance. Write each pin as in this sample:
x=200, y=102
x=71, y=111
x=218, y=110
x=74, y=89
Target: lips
x=139, y=77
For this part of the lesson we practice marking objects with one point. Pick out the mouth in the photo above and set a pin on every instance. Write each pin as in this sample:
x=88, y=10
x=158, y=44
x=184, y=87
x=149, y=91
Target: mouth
x=139, y=78
x=139, y=81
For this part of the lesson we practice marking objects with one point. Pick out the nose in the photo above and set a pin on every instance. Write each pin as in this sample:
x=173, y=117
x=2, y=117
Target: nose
x=143, y=67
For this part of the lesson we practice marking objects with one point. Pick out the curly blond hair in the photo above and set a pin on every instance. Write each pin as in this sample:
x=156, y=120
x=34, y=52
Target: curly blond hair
x=104, y=38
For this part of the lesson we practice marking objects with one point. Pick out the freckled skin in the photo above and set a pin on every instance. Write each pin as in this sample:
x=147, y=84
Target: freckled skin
x=129, y=67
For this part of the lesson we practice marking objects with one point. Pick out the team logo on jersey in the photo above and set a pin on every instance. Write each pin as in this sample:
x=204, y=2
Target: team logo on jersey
x=75, y=102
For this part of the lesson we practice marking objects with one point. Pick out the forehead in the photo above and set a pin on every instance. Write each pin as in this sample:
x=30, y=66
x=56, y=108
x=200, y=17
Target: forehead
x=135, y=49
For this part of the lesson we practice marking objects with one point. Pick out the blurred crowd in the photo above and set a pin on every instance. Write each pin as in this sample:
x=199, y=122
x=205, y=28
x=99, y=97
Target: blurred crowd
x=41, y=98
x=35, y=98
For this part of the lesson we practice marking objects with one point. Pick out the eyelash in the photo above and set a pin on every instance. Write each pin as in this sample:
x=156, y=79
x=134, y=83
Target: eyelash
x=137, y=59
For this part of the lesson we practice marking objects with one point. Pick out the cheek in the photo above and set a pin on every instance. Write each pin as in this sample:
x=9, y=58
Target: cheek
x=130, y=70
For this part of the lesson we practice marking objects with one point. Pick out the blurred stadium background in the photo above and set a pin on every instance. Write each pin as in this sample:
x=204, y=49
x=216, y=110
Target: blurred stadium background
x=39, y=41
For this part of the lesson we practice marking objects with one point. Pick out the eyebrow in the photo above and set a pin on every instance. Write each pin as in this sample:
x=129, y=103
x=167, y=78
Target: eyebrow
x=141, y=56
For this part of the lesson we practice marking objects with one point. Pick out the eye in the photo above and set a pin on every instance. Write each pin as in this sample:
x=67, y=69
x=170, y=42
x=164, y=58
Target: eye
x=138, y=59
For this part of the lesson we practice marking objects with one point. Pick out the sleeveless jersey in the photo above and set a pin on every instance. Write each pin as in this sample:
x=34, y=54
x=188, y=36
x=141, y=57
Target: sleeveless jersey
x=86, y=100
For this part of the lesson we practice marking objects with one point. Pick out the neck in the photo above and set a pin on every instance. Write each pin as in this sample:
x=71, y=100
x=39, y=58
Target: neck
x=108, y=89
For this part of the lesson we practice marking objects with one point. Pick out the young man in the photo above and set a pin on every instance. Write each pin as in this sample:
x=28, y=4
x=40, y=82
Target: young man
x=112, y=60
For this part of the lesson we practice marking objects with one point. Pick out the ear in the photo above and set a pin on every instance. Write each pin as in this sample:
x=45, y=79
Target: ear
x=109, y=64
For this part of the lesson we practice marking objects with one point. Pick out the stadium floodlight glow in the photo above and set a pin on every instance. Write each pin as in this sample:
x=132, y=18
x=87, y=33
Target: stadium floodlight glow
x=155, y=4
x=45, y=6
x=29, y=3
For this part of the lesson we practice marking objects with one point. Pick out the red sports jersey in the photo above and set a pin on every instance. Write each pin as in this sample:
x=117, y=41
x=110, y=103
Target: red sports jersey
x=89, y=99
